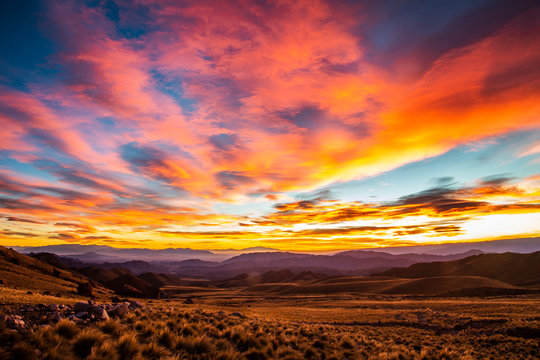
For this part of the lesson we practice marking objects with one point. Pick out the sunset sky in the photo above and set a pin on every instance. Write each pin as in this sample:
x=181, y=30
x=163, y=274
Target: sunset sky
x=295, y=125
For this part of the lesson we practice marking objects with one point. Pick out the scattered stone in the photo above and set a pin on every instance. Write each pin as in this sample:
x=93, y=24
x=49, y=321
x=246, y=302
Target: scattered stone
x=240, y=315
x=91, y=309
x=120, y=310
x=56, y=317
x=100, y=313
x=46, y=292
x=135, y=305
x=81, y=307
x=14, y=322
x=85, y=289
x=81, y=315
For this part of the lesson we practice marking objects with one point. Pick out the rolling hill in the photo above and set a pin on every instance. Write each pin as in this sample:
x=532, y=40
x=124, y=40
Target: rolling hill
x=380, y=285
x=20, y=271
x=512, y=268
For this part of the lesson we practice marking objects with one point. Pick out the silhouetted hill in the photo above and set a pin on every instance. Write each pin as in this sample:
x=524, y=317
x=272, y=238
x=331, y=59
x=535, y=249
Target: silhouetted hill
x=103, y=275
x=244, y=280
x=135, y=266
x=516, y=269
x=131, y=285
x=160, y=280
x=124, y=282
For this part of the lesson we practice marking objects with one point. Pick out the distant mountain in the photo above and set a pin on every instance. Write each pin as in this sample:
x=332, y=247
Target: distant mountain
x=347, y=263
x=512, y=268
x=93, y=257
x=366, y=254
x=100, y=253
x=521, y=245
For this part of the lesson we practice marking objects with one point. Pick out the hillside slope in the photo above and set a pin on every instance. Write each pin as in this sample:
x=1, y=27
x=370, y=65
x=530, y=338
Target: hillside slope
x=512, y=268
x=20, y=271
x=381, y=285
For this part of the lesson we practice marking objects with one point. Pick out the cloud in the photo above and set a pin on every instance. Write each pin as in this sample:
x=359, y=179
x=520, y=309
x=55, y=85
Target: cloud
x=492, y=195
x=30, y=221
x=164, y=112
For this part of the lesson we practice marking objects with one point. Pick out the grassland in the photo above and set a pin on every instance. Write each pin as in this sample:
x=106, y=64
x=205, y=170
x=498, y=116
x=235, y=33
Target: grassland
x=238, y=326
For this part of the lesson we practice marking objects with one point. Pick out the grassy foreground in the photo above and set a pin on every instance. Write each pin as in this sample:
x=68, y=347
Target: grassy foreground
x=302, y=329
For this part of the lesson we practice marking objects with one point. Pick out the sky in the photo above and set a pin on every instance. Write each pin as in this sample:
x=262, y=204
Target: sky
x=294, y=125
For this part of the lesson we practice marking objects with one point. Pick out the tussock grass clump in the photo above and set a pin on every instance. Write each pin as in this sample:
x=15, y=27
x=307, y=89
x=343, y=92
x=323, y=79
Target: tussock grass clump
x=167, y=339
x=153, y=351
x=127, y=346
x=66, y=329
x=176, y=333
x=111, y=327
x=86, y=340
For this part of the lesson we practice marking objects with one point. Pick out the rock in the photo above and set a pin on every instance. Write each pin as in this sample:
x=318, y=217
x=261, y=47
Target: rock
x=188, y=301
x=84, y=289
x=81, y=307
x=14, y=322
x=120, y=310
x=81, y=315
x=101, y=313
x=29, y=292
x=18, y=324
x=46, y=292
x=135, y=305
x=56, y=316
x=2, y=282
x=240, y=315
x=91, y=309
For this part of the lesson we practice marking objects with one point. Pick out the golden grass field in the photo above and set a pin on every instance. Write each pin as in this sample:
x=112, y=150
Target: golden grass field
x=292, y=327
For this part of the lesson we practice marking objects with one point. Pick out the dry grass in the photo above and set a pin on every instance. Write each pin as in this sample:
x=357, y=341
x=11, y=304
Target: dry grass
x=287, y=329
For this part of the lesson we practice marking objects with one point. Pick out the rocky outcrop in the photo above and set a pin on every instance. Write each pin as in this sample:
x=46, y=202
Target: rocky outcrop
x=28, y=317
x=120, y=310
x=85, y=289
